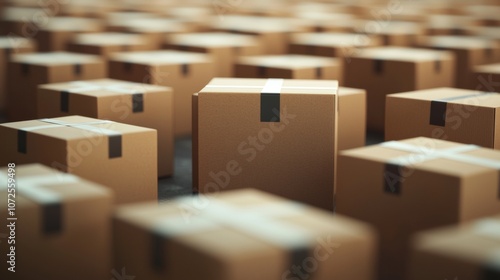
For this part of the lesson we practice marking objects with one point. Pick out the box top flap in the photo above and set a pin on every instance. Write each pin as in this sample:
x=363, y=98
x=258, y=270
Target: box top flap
x=335, y=39
x=403, y=54
x=56, y=58
x=109, y=38
x=213, y=39
x=459, y=42
x=291, y=61
x=453, y=96
x=167, y=57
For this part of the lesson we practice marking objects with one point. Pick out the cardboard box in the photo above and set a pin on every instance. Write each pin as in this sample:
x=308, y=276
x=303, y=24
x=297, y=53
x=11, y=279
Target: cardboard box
x=491, y=32
x=323, y=21
x=156, y=30
x=290, y=66
x=60, y=224
x=273, y=33
x=457, y=115
x=469, y=51
x=9, y=46
x=393, y=33
x=225, y=48
x=258, y=133
x=104, y=44
x=341, y=45
x=385, y=70
x=413, y=185
x=125, y=102
x=443, y=24
x=119, y=156
x=27, y=71
x=119, y=20
x=466, y=252
x=487, y=77
x=241, y=235
x=185, y=72
x=16, y=21
x=58, y=31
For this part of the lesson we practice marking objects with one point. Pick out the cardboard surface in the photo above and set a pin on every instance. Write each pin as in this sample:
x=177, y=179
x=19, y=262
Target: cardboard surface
x=241, y=145
x=27, y=71
x=224, y=48
x=185, y=72
x=404, y=190
x=240, y=235
x=119, y=156
x=57, y=32
x=387, y=70
x=464, y=116
x=471, y=251
x=61, y=219
x=125, y=102
x=105, y=44
x=487, y=77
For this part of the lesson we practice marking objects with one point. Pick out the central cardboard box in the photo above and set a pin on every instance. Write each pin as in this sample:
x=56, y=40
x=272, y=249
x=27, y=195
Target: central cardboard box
x=274, y=134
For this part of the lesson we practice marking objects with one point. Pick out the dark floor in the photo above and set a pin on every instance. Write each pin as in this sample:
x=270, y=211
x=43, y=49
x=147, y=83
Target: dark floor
x=181, y=182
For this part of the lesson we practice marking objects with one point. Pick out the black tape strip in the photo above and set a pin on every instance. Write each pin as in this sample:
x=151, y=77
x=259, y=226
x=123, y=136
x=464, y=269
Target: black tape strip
x=185, y=69
x=437, y=66
x=490, y=273
x=378, y=66
x=137, y=102
x=22, y=141
x=64, y=101
x=319, y=72
x=115, y=146
x=438, y=113
x=297, y=257
x=262, y=71
x=25, y=69
x=77, y=69
x=392, y=179
x=269, y=107
x=158, y=252
x=127, y=66
x=52, y=218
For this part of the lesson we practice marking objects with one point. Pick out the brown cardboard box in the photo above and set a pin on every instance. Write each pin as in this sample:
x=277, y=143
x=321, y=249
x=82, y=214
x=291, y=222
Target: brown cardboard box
x=27, y=71
x=290, y=66
x=119, y=156
x=157, y=29
x=442, y=24
x=58, y=31
x=341, y=45
x=118, y=21
x=323, y=21
x=241, y=235
x=273, y=33
x=125, y=102
x=458, y=115
x=487, y=77
x=393, y=33
x=9, y=46
x=18, y=21
x=105, y=44
x=274, y=134
x=385, y=70
x=467, y=252
x=185, y=72
x=225, y=48
x=61, y=225
x=491, y=32
x=413, y=185
x=469, y=51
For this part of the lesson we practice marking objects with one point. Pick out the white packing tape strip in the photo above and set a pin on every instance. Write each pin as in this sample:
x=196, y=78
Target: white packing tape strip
x=85, y=126
x=32, y=186
x=273, y=86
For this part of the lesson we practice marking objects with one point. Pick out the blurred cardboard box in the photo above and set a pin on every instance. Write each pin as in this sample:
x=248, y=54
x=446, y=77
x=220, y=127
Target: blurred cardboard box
x=469, y=51
x=487, y=77
x=393, y=33
x=125, y=102
x=58, y=31
x=185, y=72
x=244, y=235
x=17, y=21
x=279, y=135
x=324, y=21
x=8, y=47
x=442, y=24
x=457, y=115
x=156, y=30
x=225, y=48
x=88, y=8
x=104, y=44
x=118, y=21
x=489, y=32
x=274, y=33
x=27, y=71
x=119, y=156
x=341, y=45
x=413, y=185
x=385, y=70
x=59, y=225
x=290, y=66
x=467, y=252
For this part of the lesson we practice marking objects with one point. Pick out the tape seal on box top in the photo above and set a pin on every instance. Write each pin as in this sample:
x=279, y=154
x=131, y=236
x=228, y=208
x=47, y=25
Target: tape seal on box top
x=185, y=69
x=392, y=179
x=270, y=101
x=115, y=146
x=378, y=66
x=319, y=72
x=262, y=71
x=25, y=69
x=22, y=141
x=77, y=69
x=52, y=218
x=298, y=255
